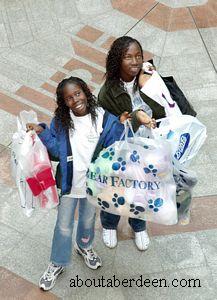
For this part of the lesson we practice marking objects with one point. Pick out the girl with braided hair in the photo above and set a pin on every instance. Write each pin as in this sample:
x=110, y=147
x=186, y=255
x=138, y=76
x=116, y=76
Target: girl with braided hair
x=79, y=129
x=122, y=92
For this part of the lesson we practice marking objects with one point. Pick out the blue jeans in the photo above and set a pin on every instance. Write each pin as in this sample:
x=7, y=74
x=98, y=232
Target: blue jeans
x=62, y=238
x=110, y=221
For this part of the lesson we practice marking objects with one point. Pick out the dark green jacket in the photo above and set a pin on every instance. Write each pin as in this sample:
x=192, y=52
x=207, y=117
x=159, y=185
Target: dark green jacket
x=116, y=100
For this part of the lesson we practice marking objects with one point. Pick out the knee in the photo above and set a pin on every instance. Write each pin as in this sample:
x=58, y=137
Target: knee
x=64, y=229
x=90, y=220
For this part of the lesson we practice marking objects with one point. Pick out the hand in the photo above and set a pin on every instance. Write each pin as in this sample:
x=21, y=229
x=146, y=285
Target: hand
x=143, y=78
x=148, y=67
x=151, y=68
x=144, y=119
x=31, y=126
x=125, y=116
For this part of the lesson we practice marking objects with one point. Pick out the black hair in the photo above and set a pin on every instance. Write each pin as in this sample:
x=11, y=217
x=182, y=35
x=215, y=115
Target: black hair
x=115, y=56
x=62, y=112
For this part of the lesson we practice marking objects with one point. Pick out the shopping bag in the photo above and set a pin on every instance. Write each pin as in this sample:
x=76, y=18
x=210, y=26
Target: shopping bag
x=36, y=166
x=186, y=135
x=133, y=177
x=185, y=178
x=178, y=96
x=31, y=172
x=27, y=200
x=175, y=92
x=156, y=89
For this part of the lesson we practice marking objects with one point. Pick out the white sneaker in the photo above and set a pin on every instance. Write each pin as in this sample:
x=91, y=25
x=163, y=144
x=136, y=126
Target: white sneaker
x=142, y=240
x=91, y=258
x=48, y=279
x=109, y=237
x=184, y=219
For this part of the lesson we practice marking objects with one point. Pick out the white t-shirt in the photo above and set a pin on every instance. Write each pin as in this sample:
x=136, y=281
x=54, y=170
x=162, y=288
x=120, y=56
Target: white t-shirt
x=137, y=101
x=83, y=140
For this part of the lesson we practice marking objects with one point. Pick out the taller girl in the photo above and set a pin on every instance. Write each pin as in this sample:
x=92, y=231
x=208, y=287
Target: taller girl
x=121, y=92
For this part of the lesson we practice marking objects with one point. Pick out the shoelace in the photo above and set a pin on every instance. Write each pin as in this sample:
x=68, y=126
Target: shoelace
x=49, y=272
x=91, y=254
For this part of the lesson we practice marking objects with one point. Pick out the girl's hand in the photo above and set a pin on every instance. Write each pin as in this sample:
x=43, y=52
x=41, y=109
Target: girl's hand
x=148, y=67
x=151, y=68
x=143, y=78
x=31, y=126
x=144, y=119
x=125, y=116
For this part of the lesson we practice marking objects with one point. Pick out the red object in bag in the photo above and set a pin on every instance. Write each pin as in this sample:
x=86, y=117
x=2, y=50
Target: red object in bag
x=34, y=185
x=45, y=177
x=41, y=181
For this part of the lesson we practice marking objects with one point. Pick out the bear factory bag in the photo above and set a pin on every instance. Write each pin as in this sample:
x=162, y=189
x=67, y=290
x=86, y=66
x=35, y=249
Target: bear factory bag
x=133, y=177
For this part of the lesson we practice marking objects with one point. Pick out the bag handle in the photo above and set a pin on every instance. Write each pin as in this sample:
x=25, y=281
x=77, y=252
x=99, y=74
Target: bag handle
x=167, y=119
x=127, y=127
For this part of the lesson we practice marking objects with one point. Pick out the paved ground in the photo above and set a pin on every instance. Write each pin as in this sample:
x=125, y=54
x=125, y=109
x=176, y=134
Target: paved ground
x=41, y=42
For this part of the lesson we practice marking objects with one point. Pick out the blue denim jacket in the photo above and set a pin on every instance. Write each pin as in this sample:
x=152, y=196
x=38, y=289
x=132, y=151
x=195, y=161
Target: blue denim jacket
x=58, y=145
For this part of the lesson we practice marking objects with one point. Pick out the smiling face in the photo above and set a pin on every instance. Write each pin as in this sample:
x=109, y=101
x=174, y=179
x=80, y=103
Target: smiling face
x=75, y=99
x=131, y=62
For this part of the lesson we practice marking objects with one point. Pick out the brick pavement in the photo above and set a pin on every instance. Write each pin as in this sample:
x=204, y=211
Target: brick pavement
x=42, y=42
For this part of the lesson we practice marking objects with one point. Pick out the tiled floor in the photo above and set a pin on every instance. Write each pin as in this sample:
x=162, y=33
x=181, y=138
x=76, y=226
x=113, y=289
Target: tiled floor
x=15, y=287
x=42, y=42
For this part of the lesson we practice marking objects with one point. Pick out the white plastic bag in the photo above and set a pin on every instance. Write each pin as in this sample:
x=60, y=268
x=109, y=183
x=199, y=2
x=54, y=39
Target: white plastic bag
x=36, y=166
x=27, y=200
x=134, y=178
x=185, y=179
x=156, y=89
x=31, y=167
x=186, y=135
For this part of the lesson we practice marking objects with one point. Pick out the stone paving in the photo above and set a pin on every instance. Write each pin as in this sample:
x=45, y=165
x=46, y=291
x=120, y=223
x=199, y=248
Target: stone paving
x=42, y=42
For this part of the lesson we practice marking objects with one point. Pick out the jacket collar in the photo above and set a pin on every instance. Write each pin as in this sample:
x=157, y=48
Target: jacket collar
x=117, y=90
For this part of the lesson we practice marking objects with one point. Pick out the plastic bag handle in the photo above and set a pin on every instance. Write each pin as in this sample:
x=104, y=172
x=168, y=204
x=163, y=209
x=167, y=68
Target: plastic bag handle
x=127, y=126
x=160, y=120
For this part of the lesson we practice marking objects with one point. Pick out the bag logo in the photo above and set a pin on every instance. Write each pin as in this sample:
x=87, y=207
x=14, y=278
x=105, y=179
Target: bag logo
x=183, y=145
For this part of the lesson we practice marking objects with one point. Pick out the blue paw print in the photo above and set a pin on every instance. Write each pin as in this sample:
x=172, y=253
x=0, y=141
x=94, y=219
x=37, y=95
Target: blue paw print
x=134, y=157
x=89, y=191
x=120, y=164
x=109, y=154
x=118, y=200
x=97, y=170
x=136, y=209
x=102, y=203
x=146, y=147
x=155, y=204
x=150, y=169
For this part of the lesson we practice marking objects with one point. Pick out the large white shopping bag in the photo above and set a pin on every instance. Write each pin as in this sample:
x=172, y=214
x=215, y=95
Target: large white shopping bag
x=27, y=200
x=186, y=135
x=156, y=89
x=32, y=168
x=133, y=177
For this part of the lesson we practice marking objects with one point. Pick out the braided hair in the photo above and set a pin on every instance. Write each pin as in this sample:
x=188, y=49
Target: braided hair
x=115, y=56
x=62, y=112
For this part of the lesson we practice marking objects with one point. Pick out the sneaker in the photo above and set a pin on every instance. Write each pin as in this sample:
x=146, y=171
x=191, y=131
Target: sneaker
x=91, y=258
x=142, y=240
x=48, y=279
x=109, y=237
x=184, y=219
